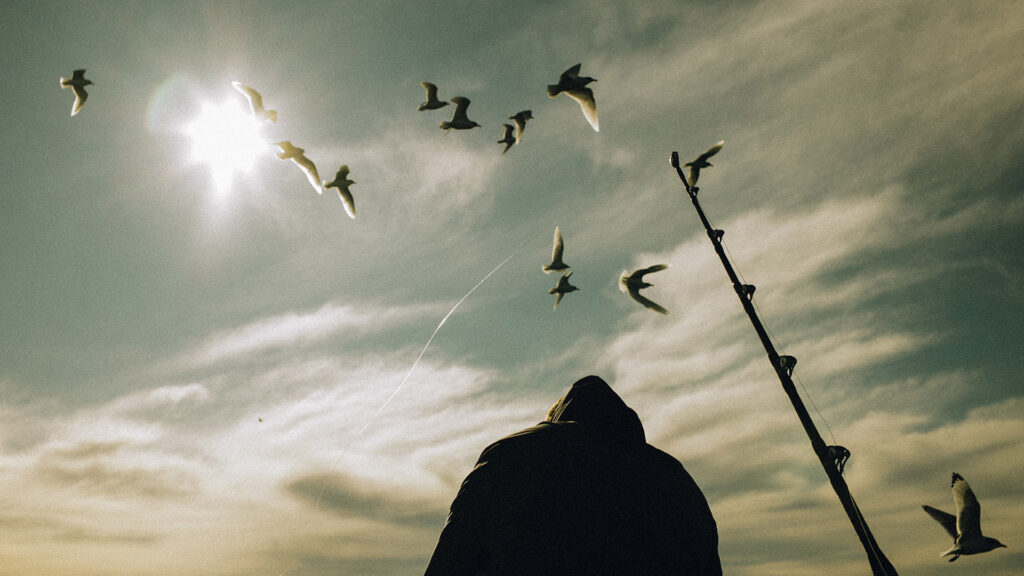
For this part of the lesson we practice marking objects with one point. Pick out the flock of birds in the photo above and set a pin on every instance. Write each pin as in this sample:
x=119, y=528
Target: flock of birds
x=964, y=526
x=576, y=87
x=569, y=83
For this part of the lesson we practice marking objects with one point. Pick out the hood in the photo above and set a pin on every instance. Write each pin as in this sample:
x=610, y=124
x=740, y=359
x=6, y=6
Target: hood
x=592, y=404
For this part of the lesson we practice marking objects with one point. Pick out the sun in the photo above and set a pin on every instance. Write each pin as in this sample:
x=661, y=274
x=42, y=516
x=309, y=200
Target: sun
x=227, y=139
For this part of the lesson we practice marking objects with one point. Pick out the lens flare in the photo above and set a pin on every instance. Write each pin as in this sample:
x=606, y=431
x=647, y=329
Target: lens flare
x=227, y=139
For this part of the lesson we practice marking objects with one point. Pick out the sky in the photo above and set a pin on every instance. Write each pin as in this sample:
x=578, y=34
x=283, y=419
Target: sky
x=203, y=376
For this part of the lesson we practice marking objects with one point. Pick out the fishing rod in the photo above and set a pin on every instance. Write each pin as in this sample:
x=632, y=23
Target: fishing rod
x=832, y=458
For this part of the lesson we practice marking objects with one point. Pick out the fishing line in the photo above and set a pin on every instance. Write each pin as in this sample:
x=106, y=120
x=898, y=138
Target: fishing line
x=778, y=345
x=438, y=329
x=405, y=379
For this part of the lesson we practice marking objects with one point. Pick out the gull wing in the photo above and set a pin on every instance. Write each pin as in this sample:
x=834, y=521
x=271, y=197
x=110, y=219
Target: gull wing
x=651, y=305
x=342, y=183
x=639, y=274
x=968, y=511
x=431, y=91
x=461, y=106
x=348, y=201
x=711, y=152
x=948, y=521
x=508, y=139
x=80, y=96
x=585, y=96
x=254, y=97
x=570, y=74
x=310, y=170
x=694, y=174
x=557, y=246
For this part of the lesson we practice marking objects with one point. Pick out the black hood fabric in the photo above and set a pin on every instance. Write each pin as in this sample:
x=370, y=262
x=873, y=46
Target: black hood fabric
x=581, y=493
x=592, y=403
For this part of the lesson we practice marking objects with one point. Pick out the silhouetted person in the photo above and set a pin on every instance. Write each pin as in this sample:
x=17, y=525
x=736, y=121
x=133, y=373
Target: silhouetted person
x=581, y=493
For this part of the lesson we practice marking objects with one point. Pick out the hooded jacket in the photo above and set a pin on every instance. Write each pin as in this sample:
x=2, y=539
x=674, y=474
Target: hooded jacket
x=581, y=493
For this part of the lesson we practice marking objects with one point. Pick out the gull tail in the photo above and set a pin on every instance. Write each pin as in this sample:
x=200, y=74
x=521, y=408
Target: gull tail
x=553, y=90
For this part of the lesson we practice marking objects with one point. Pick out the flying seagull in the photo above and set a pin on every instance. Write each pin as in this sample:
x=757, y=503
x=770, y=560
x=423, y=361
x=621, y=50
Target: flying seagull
x=575, y=86
x=634, y=282
x=520, y=119
x=298, y=156
x=459, y=120
x=965, y=527
x=508, y=139
x=77, y=83
x=562, y=288
x=702, y=162
x=256, y=103
x=432, y=102
x=556, y=264
x=341, y=182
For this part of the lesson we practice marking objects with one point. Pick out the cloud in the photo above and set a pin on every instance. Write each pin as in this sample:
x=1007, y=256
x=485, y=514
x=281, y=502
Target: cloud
x=293, y=330
x=348, y=496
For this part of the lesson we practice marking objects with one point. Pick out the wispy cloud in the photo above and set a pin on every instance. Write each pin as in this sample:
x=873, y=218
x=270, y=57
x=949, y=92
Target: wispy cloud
x=295, y=330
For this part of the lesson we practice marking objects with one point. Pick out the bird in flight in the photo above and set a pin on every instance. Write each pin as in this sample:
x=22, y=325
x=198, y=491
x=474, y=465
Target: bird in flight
x=77, y=83
x=520, y=119
x=634, y=282
x=432, y=102
x=562, y=288
x=341, y=182
x=255, y=102
x=575, y=86
x=965, y=527
x=556, y=264
x=508, y=139
x=702, y=162
x=298, y=156
x=459, y=119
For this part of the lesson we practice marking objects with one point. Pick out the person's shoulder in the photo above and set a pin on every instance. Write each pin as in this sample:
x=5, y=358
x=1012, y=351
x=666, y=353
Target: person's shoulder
x=528, y=440
x=663, y=460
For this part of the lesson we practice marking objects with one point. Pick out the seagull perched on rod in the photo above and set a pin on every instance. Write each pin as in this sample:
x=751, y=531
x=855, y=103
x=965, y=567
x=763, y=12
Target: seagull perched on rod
x=77, y=83
x=634, y=282
x=432, y=102
x=556, y=264
x=459, y=119
x=562, y=288
x=965, y=527
x=575, y=86
x=508, y=139
x=255, y=103
x=702, y=162
x=298, y=156
x=520, y=119
x=341, y=182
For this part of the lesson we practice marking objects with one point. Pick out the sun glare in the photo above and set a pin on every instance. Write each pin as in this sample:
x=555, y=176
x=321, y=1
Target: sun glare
x=226, y=138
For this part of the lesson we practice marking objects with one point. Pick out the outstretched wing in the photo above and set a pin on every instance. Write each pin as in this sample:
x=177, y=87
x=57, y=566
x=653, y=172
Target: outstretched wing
x=557, y=246
x=649, y=304
x=254, y=97
x=80, y=96
x=968, y=511
x=948, y=521
x=639, y=274
x=711, y=152
x=570, y=74
x=461, y=106
x=310, y=170
x=585, y=96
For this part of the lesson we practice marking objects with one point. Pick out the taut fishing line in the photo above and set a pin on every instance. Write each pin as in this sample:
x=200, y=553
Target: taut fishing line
x=405, y=379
